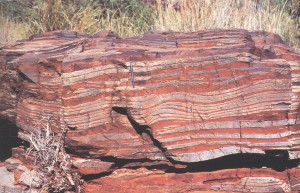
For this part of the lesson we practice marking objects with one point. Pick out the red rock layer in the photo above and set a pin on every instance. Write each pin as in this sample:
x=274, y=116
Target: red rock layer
x=164, y=100
x=234, y=180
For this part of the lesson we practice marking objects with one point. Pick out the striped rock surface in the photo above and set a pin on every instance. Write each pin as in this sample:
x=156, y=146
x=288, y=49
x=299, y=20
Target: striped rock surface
x=190, y=103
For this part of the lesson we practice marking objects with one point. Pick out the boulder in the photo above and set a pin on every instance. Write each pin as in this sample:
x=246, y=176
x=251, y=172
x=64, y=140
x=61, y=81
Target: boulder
x=214, y=110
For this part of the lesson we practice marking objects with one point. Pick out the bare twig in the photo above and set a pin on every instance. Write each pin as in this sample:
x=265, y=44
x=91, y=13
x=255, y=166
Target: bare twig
x=52, y=164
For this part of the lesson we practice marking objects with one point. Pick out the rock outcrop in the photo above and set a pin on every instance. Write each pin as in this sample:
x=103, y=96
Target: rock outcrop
x=213, y=110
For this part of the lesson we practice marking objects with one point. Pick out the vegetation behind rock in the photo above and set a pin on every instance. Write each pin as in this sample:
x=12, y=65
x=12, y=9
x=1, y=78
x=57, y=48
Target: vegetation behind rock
x=21, y=18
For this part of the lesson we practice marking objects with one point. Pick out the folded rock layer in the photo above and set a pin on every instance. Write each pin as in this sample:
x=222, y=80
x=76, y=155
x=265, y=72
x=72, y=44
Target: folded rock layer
x=163, y=112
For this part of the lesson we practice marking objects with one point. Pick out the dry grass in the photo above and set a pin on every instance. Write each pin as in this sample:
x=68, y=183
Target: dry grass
x=88, y=18
x=52, y=163
x=53, y=15
x=122, y=24
x=11, y=31
x=132, y=18
x=192, y=15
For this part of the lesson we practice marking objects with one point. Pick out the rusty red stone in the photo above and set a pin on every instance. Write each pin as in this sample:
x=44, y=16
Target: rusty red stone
x=193, y=101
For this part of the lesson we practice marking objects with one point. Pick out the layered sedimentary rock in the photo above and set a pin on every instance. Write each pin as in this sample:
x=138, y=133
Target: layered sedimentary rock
x=168, y=112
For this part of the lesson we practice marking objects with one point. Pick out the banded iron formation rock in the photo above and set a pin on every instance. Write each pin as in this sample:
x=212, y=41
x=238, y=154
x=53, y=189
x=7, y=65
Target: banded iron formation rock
x=214, y=110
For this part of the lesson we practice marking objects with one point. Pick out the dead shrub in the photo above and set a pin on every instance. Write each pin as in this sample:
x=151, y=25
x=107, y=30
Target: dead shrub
x=51, y=163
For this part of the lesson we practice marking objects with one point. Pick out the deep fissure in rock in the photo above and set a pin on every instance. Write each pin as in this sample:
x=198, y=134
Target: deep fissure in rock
x=25, y=77
x=236, y=161
x=91, y=177
x=120, y=110
x=9, y=139
x=121, y=163
x=140, y=129
x=277, y=160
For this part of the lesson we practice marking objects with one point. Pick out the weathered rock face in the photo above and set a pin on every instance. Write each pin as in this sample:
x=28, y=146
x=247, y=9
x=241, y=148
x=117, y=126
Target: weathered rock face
x=164, y=112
